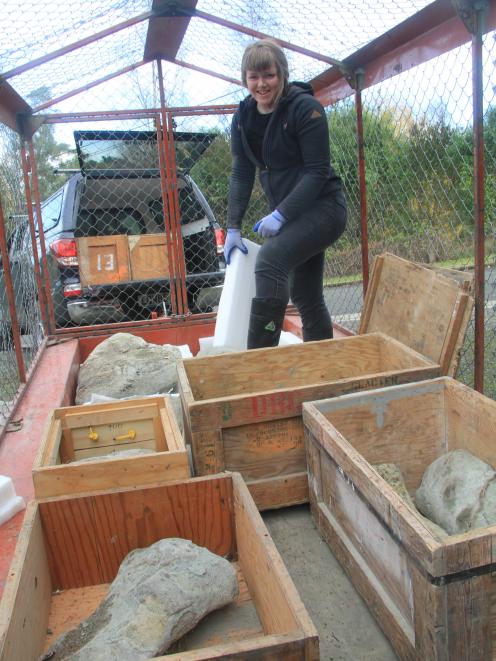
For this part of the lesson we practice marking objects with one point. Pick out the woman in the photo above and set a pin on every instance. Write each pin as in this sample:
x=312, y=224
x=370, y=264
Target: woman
x=281, y=129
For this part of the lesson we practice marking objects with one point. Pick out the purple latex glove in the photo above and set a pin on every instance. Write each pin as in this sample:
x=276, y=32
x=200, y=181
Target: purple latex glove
x=233, y=240
x=269, y=225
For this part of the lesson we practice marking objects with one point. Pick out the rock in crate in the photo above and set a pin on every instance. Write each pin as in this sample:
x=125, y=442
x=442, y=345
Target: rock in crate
x=70, y=549
x=76, y=438
x=433, y=595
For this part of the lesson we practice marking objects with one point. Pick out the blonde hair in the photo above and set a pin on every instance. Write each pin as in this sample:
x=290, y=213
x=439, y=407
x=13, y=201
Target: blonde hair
x=262, y=55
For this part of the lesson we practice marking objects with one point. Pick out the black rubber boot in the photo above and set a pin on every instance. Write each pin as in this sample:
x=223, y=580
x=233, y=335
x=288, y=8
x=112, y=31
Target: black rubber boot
x=266, y=317
x=321, y=330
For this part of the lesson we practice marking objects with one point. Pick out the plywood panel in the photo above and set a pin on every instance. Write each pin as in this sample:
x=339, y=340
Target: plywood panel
x=136, y=433
x=148, y=256
x=196, y=510
x=26, y=599
x=283, y=367
x=103, y=259
x=265, y=449
x=421, y=308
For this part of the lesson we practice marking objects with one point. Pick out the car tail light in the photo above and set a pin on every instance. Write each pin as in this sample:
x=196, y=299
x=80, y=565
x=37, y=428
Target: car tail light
x=220, y=238
x=65, y=252
x=72, y=290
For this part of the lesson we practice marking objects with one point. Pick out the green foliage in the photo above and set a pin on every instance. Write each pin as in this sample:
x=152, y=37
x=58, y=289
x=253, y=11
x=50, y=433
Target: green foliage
x=50, y=154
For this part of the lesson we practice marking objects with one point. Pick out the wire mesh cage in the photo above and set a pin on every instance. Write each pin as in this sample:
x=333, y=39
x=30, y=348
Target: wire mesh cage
x=124, y=110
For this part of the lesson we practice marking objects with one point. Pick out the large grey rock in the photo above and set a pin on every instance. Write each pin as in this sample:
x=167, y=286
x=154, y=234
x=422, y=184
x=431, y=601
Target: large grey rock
x=158, y=595
x=394, y=477
x=125, y=365
x=458, y=492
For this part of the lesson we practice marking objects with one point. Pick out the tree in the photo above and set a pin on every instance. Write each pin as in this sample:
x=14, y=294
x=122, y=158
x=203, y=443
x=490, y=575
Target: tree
x=50, y=154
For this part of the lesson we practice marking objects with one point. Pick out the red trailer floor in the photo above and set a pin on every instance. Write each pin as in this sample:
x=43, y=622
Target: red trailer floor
x=53, y=385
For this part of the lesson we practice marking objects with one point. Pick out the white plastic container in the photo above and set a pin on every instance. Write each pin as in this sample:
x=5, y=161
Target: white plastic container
x=233, y=315
x=10, y=503
x=289, y=338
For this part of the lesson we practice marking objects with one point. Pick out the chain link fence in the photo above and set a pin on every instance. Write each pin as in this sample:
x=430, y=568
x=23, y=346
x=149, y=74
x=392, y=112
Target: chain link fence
x=129, y=237
x=126, y=227
x=20, y=266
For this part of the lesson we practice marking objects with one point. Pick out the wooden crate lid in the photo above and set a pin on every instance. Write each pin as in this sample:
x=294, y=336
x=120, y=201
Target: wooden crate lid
x=425, y=309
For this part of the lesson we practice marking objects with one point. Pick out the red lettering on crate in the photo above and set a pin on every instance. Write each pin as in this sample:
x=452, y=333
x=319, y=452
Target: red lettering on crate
x=277, y=403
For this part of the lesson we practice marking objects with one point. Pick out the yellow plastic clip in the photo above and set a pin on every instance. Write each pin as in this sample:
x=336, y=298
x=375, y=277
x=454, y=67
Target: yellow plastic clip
x=131, y=435
x=93, y=435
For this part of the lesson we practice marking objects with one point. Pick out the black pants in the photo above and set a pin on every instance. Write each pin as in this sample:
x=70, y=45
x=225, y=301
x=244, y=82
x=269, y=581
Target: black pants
x=291, y=264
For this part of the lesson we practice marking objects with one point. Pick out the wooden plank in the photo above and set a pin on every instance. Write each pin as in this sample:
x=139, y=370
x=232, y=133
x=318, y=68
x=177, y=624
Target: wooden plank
x=118, y=405
x=102, y=450
x=289, y=647
x=282, y=491
x=49, y=449
x=289, y=367
x=26, y=598
x=277, y=601
x=172, y=434
x=148, y=256
x=73, y=479
x=450, y=353
x=132, y=433
x=381, y=607
x=124, y=412
x=430, y=621
x=470, y=421
x=404, y=299
x=66, y=447
x=208, y=452
x=386, y=561
x=233, y=411
x=103, y=259
x=468, y=622
x=265, y=449
x=69, y=527
x=187, y=399
x=371, y=294
x=199, y=510
x=314, y=469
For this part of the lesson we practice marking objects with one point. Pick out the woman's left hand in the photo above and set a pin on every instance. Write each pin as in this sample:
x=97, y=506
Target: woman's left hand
x=269, y=225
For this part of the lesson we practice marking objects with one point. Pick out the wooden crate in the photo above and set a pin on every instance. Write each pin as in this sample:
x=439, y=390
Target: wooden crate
x=434, y=597
x=243, y=410
x=120, y=258
x=81, y=432
x=75, y=546
x=148, y=257
x=103, y=259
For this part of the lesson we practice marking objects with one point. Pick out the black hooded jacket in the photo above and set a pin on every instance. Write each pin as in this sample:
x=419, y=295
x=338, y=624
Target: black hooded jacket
x=296, y=169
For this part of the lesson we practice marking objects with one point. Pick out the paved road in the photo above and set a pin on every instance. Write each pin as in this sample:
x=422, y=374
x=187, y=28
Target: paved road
x=345, y=302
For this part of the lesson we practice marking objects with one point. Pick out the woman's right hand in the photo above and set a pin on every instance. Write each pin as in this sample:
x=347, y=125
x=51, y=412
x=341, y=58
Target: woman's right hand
x=233, y=240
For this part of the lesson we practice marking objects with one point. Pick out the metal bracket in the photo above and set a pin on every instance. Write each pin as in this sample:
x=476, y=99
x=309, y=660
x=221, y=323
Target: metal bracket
x=172, y=8
x=27, y=124
x=466, y=11
x=354, y=78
